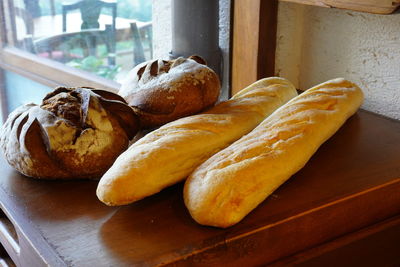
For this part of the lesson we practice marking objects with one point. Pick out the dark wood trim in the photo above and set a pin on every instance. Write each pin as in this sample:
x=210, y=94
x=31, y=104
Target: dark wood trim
x=267, y=38
x=383, y=7
x=254, y=41
x=49, y=72
x=229, y=65
x=358, y=242
x=34, y=250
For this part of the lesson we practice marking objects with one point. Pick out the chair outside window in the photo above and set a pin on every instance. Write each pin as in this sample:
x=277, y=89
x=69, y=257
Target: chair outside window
x=90, y=12
x=61, y=47
x=76, y=49
x=138, y=52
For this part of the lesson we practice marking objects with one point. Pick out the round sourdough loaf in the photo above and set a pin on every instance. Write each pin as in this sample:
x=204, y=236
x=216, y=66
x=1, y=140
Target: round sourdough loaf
x=74, y=133
x=160, y=91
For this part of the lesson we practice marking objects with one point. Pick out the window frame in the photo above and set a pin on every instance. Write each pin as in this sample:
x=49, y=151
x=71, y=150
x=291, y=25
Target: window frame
x=48, y=72
x=253, y=41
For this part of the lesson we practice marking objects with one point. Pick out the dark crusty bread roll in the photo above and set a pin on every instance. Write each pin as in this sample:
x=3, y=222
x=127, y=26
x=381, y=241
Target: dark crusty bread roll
x=230, y=184
x=161, y=91
x=74, y=133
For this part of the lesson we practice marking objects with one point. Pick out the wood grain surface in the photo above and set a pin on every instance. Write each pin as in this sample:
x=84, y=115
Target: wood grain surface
x=254, y=41
x=375, y=245
x=350, y=183
x=369, y=6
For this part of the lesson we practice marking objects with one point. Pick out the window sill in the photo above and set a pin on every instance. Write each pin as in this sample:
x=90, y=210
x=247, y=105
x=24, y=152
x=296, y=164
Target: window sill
x=49, y=72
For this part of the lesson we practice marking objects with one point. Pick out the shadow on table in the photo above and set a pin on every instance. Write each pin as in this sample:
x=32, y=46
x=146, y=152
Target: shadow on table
x=156, y=230
x=55, y=200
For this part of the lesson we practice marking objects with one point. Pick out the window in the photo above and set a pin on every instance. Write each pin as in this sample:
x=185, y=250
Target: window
x=49, y=43
x=57, y=42
x=104, y=37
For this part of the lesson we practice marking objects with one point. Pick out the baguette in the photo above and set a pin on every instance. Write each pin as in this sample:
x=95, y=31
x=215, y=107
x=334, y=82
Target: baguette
x=169, y=154
x=233, y=182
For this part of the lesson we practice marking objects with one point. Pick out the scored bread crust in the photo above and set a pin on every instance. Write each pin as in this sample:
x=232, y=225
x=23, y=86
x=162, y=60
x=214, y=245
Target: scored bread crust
x=169, y=154
x=75, y=133
x=160, y=91
x=230, y=184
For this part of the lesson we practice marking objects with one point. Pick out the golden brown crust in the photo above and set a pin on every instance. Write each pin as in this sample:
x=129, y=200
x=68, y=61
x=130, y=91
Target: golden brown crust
x=169, y=154
x=230, y=184
x=74, y=133
x=161, y=91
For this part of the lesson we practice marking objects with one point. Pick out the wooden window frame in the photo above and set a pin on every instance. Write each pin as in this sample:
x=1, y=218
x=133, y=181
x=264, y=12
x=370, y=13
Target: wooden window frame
x=254, y=41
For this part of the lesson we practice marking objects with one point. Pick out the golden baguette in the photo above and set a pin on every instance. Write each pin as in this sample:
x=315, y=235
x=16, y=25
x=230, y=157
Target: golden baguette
x=230, y=184
x=169, y=154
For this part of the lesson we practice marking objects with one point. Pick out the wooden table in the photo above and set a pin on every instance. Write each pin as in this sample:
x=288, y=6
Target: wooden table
x=346, y=195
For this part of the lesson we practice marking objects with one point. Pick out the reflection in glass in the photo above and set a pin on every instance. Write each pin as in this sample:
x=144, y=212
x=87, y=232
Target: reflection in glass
x=20, y=91
x=105, y=37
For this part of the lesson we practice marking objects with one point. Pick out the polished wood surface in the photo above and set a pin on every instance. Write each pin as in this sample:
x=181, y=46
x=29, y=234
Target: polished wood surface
x=254, y=41
x=375, y=245
x=351, y=182
x=369, y=6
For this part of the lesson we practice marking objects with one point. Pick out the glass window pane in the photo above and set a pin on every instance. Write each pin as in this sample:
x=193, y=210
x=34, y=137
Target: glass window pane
x=20, y=91
x=105, y=37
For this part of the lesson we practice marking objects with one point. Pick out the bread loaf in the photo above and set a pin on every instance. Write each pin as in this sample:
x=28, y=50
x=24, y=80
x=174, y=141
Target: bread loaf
x=169, y=154
x=74, y=133
x=160, y=91
x=230, y=184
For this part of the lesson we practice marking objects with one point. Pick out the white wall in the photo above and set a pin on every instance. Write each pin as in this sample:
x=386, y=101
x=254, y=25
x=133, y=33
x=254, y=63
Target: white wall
x=317, y=44
x=162, y=34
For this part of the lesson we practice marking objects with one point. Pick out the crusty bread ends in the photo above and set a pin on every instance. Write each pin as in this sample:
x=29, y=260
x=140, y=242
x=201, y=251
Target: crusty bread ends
x=169, y=154
x=230, y=184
